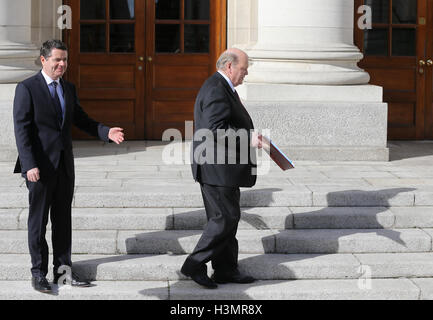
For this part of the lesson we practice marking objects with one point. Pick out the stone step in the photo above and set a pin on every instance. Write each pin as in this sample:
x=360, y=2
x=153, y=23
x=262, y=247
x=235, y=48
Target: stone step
x=380, y=289
x=252, y=218
x=261, y=266
x=178, y=195
x=153, y=218
x=8, y=152
x=250, y=241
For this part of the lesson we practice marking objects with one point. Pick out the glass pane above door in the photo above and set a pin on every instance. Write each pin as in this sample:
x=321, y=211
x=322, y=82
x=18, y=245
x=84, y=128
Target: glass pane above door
x=376, y=42
x=122, y=9
x=403, y=42
x=196, y=38
x=167, y=38
x=122, y=38
x=92, y=38
x=167, y=9
x=404, y=11
x=92, y=9
x=197, y=9
x=380, y=10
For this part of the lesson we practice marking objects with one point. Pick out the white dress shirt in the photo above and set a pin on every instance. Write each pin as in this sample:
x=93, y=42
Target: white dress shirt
x=59, y=89
x=228, y=80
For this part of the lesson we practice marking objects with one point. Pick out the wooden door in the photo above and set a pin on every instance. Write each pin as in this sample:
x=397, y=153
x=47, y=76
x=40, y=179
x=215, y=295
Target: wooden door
x=105, y=43
x=429, y=74
x=139, y=64
x=183, y=41
x=394, y=51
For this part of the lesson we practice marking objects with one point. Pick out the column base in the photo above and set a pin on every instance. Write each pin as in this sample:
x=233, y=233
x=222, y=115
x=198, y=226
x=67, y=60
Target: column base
x=17, y=62
x=337, y=153
x=319, y=93
x=8, y=149
x=334, y=64
x=325, y=130
x=15, y=75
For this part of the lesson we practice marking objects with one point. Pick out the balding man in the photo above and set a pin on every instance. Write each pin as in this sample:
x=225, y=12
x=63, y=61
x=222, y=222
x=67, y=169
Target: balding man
x=219, y=113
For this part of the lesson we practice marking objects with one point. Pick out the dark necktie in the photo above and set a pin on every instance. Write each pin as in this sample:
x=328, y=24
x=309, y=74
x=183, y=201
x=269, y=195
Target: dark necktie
x=57, y=103
x=237, y=97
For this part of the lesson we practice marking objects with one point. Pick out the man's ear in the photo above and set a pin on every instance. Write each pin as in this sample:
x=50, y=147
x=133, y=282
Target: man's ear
x=229, y=66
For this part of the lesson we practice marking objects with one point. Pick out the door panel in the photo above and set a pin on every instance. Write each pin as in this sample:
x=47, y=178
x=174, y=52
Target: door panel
x=392, y=50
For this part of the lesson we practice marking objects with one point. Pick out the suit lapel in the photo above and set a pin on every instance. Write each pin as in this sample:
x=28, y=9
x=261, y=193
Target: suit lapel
x=235, y=96
x=226, y=85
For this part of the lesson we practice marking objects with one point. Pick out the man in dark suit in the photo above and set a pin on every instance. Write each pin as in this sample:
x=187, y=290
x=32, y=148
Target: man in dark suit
x=221, y=164
x=45, y=107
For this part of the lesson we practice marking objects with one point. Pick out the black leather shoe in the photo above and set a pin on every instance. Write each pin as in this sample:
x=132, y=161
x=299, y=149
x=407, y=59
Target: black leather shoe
x=41, y=284
x=235, y=277
x=203, y=280
x=74, y=282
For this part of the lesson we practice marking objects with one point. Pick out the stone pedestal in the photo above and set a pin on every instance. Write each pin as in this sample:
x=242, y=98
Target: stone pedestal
x=303, y=74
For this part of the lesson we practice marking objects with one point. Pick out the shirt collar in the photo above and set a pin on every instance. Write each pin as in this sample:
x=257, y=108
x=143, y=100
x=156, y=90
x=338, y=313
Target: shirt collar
x=227, y=79
x=48, y=78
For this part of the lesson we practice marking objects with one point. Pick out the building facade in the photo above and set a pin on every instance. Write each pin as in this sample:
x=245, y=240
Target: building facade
x=324, y=86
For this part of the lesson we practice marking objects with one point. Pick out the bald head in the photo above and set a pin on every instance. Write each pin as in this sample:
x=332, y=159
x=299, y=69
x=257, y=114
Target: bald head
x=231, y=55
x=234, y=63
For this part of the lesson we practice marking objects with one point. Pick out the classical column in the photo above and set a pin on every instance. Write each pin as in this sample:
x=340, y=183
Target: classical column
x=304, y=83
x=17, y=62
x=17, y=53
x=305, y=42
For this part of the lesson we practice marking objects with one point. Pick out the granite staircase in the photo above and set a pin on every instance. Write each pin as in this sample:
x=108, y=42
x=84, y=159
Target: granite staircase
x=325, y=230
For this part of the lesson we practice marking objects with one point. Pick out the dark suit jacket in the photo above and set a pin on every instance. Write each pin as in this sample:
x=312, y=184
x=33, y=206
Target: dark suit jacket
x=40, y=138
x=217, y=107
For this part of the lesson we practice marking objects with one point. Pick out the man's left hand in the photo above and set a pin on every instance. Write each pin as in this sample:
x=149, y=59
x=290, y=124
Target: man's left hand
x=257, y=140
x=116, y=135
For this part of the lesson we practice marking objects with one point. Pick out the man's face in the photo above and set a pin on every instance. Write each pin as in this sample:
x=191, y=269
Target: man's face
x=238, y=72
x=56, y=65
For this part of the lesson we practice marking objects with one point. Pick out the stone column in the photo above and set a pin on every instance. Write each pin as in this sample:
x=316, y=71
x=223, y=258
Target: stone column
x=304, y=83
x=23, y=26
x=17, y=53
x=305, y=42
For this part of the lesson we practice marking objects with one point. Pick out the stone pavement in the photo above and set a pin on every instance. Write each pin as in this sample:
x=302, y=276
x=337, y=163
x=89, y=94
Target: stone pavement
x=325, y=230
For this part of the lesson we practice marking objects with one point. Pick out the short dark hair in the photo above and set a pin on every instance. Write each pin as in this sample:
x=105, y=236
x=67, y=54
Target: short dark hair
x=48, y=46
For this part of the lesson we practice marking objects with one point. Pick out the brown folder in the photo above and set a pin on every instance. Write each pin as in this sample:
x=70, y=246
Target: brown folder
x=277, y=155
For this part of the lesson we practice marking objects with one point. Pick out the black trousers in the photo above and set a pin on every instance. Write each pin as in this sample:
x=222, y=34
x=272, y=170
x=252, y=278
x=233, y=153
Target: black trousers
x=50, y=195
x=218, y=242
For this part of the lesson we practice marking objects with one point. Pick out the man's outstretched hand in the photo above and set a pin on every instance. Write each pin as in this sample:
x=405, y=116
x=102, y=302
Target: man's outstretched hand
x=116, y=135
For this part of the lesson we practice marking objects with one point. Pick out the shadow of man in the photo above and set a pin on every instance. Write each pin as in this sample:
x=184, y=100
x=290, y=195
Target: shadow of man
x=279, y=251
x=185, y=227
x=321, y=238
